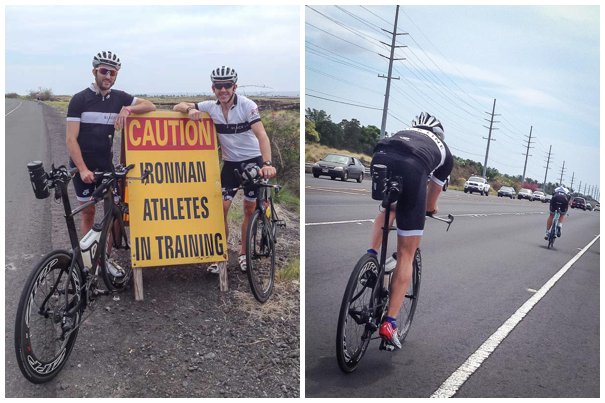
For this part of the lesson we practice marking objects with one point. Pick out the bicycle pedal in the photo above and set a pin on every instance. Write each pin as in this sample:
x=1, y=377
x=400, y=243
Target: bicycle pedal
x=386, y=346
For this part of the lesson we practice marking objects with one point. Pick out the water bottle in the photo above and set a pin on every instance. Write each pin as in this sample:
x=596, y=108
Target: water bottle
x=89, y=244
x=379, y=174
x=38, y=179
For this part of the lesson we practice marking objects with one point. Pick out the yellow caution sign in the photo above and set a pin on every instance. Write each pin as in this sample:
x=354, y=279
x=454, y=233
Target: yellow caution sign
x=176, y=214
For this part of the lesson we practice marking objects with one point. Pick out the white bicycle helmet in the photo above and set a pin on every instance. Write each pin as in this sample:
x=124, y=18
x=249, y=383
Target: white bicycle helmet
x=426, y=121
x=108, y=58
x=223, y=73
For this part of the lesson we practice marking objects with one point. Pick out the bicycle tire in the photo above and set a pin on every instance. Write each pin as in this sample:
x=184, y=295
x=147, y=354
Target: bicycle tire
x=260, y=257
x=353, y=333
x=410, y=302
x=552, y=234
x=115, y=254
x=40, y=360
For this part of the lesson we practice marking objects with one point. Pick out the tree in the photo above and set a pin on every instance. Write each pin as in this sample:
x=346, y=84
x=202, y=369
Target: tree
x=317, y=116
x=330, y=134
x=311, y=134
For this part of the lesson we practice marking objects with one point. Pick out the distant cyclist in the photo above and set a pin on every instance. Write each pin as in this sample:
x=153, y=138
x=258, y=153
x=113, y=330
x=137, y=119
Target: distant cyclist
x=413, y=154
x=560, y=200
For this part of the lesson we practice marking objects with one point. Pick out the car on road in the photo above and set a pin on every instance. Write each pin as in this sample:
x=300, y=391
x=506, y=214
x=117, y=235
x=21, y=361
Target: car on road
x=525, y=194
x=335, y=166
x=547, y=199
x=538, y=195
x=588, y=206
x=476, y=184
x=507, y=191
x=597, y=207
x=578, y=202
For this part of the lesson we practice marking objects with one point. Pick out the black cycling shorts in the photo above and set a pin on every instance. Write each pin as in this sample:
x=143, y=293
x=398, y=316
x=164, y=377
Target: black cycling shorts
x=559, y=200
x=230, y=182
x=85, y=190
x=411, y=204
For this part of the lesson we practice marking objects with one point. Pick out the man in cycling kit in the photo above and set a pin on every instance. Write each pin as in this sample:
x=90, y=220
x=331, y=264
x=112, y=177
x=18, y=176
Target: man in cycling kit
x=93, y=115
x=243, y=140
x=560, y=200
x=414, y=154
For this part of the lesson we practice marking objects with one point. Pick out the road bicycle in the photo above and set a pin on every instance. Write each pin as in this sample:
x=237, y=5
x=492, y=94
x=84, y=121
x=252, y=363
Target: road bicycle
x=552, y=232
x=366, y=298
x=261, y=234
x=66, y=282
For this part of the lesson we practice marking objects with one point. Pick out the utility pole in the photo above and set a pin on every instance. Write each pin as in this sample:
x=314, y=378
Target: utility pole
x=385, y=109
x=579, y=188
x=527, y=155
x=562, y=171
x=573, y=174
x=547, y=162
x=489, y=136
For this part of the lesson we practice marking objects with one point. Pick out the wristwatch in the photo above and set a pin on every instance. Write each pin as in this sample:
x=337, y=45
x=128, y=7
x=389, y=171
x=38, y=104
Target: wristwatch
x=268, y=163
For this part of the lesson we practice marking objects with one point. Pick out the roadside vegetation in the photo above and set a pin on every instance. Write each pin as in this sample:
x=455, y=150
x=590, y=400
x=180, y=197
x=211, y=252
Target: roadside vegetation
x=322, y=136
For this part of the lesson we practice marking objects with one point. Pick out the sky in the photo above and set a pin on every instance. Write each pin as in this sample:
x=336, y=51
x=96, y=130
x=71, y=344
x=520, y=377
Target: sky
x=540, y=63
x=163, y=49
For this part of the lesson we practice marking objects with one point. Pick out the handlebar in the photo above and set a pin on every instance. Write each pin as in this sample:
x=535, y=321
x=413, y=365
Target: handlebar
x=449, y=220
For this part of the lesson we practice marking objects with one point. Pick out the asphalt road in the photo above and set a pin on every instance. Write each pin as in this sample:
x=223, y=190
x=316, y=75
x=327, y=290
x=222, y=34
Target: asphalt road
x=27, y=223
x=475, y=277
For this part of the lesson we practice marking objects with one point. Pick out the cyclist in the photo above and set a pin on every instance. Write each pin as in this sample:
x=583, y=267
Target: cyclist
x=92, y=117
x=413, y=154
x=560, y=200
x=243, y=140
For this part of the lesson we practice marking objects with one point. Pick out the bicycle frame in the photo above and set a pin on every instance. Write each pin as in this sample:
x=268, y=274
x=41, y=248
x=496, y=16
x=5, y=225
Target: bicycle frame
x=110, y=210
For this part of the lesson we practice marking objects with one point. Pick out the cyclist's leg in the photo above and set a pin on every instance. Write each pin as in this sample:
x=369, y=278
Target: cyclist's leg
x=400, y=282
x=387, y=159
x=377, y=228
x=83, y=192
x=249, y=207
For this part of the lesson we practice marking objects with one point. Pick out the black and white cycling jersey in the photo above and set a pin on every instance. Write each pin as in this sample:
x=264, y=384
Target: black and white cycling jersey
x=432, y=153
x=97, y=114
x=238, y=142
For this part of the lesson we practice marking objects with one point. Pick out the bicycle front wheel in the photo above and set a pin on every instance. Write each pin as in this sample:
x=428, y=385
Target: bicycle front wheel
x=115, y=263
x=44, y=335
x=353, y=333
x=260, y=257
x=406, y=313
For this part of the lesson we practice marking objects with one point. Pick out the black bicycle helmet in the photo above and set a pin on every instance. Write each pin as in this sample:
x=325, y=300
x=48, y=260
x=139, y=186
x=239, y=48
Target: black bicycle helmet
x=108, y=58
x=427, y=121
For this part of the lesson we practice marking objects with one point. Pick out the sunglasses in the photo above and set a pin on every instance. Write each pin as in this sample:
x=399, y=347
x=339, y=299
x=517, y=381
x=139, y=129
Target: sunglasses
x=104, y=72
x=221, y=86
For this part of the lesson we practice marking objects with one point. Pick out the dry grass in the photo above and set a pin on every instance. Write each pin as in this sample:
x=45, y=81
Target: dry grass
x=282, y=304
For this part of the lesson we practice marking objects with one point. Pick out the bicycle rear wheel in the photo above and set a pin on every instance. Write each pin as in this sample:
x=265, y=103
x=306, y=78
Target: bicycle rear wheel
x=115, y=263
x=353, y=333
x=44, y=337
x=406, y=313
x=260, y=257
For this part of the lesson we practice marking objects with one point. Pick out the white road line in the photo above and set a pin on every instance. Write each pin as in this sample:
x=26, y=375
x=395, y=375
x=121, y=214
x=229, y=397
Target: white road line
x=359, y=192
x=339, y=222
x=460, y=376
x=456, y=215
x=16, y=107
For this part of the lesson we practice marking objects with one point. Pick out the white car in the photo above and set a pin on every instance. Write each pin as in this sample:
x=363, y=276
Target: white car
x=538, y=195
x=476, y=184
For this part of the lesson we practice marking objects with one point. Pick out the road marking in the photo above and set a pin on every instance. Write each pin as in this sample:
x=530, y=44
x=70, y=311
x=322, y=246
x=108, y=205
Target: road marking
x=339, y=222
x=461, y=375
x=360, y=192
x=16, y=107
x=455, y=215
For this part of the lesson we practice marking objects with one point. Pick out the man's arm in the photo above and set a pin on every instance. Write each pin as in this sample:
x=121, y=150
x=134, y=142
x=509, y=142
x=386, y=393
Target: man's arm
x=433, y=192
x=265, y=148
x=140, y=106
x=71, y=139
